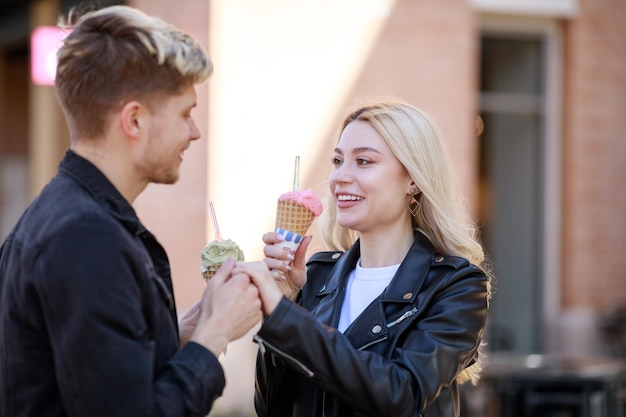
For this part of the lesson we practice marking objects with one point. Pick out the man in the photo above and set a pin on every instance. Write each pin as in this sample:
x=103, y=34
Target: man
x=88, y=324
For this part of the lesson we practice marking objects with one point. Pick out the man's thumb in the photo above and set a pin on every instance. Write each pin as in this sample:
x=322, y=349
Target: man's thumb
x=224, y=272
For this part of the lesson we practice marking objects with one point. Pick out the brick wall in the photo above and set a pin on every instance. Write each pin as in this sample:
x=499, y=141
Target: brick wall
x=426, y=54
x=594, y=155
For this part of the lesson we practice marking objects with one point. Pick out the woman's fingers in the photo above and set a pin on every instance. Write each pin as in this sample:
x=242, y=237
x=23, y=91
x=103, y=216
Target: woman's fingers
x=277, y=259
x=270, y=238
x=263, y=278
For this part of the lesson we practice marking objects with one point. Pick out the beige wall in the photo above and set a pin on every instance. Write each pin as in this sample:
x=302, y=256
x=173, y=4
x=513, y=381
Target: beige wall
x=284, y=74
x=424, y=52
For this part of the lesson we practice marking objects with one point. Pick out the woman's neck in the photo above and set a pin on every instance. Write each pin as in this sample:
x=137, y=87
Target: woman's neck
x=385, y=248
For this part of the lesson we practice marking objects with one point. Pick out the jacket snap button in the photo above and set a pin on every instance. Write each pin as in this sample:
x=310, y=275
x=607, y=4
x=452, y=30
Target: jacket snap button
x=336, y=255
x=376, y=329
x=408, y=295
x=439, y=259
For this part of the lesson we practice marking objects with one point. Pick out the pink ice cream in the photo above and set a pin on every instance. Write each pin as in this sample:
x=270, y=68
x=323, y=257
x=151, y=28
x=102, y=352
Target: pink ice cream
x=306, y=198
x=295, y=212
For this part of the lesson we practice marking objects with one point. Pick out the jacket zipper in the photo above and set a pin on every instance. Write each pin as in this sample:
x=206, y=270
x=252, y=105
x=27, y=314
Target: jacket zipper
x=393, y=323
x=373, y=342
x=262, y=344
x=402, y=317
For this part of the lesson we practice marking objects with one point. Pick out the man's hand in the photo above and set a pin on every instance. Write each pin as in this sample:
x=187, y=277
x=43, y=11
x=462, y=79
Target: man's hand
x=188, y=323
x=230, y=307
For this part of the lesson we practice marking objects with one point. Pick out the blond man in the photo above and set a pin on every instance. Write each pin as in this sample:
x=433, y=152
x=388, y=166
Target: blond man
x=88, y=323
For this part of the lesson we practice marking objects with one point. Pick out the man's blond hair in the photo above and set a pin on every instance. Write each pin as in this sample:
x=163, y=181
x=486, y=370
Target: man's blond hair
x=117, y=54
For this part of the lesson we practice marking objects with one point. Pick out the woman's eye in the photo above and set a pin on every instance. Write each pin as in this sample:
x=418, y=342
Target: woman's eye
x=362, y=161
x=335, y=161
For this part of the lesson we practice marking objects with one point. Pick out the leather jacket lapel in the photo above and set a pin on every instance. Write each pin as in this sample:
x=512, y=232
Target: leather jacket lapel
x=396, y=300
x=411, y=274
x=370, y=327
x=333, y=291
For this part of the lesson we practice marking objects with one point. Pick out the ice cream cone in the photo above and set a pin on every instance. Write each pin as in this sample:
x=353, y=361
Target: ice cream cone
x=207, y=274
x=293, y=217
x=216, y=253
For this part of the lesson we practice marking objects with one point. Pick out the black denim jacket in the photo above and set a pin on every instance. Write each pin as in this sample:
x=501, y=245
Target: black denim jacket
x=88, y=324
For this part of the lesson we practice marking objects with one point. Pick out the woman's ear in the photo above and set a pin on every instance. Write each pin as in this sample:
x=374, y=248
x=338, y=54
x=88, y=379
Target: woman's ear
x=413, y=188
x=131, y=118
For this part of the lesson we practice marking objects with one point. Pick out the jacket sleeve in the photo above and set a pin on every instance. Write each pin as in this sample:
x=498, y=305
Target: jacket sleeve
x=434, y=347
x=104, y=350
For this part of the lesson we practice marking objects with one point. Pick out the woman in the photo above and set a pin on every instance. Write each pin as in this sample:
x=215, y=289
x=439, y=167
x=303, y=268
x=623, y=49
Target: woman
x=392, y=326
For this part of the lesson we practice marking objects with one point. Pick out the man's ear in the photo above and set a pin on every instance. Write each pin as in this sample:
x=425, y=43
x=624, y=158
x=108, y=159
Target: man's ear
x=132, y=118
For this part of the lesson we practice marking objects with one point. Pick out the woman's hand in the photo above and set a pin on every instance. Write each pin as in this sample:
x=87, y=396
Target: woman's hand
x=260, y=275
x=229, y=308
x=288, y=270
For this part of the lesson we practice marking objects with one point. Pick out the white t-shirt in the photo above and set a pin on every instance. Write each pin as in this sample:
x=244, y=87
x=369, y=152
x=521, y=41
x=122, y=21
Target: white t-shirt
x=364, y=285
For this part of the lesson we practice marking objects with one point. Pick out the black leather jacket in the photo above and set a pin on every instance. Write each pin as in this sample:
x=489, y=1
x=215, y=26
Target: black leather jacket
x=400, y=357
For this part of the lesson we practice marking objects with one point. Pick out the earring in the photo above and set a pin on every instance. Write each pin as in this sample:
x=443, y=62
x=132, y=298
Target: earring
x=414, y=205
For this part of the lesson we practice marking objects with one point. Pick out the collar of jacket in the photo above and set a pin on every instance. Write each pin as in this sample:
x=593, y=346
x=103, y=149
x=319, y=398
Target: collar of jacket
x=402, y=291
x=98, y=185
x=416, y=262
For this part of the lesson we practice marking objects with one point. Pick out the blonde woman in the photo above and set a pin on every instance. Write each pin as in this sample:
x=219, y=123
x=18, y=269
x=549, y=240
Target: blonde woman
x=390, y=323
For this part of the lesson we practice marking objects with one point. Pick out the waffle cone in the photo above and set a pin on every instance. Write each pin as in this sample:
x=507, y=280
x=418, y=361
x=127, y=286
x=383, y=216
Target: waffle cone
x=293, y=217
x=207, y=274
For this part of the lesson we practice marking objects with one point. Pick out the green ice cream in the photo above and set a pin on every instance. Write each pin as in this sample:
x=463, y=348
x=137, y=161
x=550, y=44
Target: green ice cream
x=215, y=254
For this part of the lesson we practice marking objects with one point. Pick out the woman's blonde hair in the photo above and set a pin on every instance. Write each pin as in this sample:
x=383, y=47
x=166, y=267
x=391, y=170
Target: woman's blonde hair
x=414, y=140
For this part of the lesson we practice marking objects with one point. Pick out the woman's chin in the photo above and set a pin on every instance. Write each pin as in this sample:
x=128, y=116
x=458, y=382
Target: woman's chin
x=347, y=223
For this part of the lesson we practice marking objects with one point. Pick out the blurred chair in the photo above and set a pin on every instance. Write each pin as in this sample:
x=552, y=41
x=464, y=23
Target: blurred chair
x=516, y=385
x=613, y=327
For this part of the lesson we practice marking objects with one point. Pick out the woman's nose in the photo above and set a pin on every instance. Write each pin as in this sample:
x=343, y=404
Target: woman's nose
x=341, y=174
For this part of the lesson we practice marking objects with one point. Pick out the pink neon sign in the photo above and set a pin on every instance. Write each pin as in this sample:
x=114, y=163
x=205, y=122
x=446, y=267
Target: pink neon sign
x=44, y=43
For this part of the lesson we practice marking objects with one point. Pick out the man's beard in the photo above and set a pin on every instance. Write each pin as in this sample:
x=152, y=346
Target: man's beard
x=155, y=172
